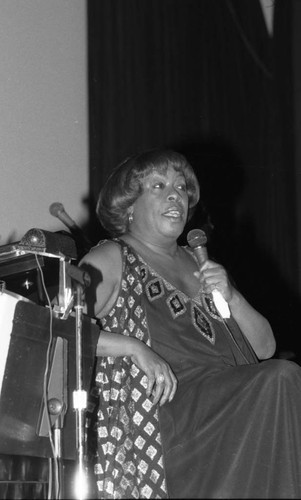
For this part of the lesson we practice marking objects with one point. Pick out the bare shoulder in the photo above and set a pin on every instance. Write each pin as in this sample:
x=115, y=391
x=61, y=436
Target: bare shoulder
x=103, y=263
x=106, y=253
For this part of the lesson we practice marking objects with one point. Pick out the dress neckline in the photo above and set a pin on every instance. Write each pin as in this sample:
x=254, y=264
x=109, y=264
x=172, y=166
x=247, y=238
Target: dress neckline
x=168, y=284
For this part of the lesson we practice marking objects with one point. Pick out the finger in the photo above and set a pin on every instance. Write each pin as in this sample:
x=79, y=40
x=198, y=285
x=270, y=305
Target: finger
x=212, y=287
x=166, y=390
x=169, y=387
x=213, y=277
x=150, y=385
x=159, y=387
x=212, y=282
x=174, y=387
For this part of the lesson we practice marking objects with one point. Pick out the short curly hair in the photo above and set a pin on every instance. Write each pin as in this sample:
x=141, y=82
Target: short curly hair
x=125, y=184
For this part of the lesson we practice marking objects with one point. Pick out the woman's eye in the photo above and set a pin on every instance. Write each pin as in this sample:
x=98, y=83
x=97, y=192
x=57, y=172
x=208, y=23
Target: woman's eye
x=159, y=185
x=182, y=187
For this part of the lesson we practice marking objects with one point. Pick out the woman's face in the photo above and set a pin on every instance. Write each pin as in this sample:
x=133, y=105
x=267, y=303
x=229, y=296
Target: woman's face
x=161, y=211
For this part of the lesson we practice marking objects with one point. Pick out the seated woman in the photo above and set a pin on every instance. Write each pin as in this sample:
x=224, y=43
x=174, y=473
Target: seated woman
x=190, y=406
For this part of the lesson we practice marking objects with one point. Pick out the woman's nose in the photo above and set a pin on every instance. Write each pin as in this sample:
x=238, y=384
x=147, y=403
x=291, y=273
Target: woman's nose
x=173, y=195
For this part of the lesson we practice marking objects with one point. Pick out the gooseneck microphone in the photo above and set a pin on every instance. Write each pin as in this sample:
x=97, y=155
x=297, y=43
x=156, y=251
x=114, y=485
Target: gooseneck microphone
x=197, y=240
x=57, y=210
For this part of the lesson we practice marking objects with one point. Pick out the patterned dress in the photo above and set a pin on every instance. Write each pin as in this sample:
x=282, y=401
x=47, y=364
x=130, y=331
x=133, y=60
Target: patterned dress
x=233, y=429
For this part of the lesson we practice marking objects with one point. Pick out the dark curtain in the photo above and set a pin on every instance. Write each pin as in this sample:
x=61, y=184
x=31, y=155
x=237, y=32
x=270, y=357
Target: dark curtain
x=205, y=78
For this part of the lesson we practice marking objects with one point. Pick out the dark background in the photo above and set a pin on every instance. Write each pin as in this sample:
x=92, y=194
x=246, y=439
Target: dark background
x=205, y=78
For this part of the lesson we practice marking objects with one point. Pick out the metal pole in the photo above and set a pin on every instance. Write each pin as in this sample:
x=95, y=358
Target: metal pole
x=80, y=400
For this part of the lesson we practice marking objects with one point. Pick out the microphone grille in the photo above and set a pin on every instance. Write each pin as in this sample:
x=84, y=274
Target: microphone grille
x=196, y=238
x=55, y=208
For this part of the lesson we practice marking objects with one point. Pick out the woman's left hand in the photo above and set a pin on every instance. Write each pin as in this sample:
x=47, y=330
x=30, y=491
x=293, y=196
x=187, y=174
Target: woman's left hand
x=213, y=276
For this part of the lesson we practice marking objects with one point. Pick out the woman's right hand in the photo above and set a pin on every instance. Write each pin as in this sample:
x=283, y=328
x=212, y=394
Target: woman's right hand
x=162, y=383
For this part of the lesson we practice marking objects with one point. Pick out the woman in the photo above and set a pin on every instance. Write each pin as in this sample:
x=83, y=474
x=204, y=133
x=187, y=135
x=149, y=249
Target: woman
x=188, y=406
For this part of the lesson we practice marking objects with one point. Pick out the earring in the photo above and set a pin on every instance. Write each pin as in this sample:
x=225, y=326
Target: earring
x=131, y=218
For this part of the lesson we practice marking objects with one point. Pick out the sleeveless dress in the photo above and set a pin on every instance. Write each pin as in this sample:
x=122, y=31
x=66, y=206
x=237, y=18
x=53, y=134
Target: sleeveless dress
x=233, y=429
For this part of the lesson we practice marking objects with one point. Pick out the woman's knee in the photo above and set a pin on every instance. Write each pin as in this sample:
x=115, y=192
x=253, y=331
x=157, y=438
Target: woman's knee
x=281, y=369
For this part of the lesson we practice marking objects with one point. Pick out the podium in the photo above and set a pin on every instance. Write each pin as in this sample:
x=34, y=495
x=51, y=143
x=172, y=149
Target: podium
x=27, y=330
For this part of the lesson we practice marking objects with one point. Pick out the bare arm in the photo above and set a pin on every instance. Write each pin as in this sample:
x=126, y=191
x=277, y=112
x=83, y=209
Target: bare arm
x=104, y=265
x=254, y=326
x=162, y=388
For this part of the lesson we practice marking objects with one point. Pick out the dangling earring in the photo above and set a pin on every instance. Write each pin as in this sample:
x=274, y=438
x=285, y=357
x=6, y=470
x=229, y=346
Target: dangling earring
x=131, y=218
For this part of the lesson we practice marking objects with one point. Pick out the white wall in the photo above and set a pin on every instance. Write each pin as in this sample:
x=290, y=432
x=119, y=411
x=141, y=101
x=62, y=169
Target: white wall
x=43, y=114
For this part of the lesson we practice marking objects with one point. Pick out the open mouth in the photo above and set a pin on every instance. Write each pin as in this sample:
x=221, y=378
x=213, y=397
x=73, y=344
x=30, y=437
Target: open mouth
x=174, y=213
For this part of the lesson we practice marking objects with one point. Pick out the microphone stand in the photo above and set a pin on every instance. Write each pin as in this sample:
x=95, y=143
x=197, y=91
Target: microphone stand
x=79, y=395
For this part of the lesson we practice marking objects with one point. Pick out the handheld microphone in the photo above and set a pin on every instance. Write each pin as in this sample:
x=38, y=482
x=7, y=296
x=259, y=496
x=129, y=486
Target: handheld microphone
x=197, y=240
x=57, y=210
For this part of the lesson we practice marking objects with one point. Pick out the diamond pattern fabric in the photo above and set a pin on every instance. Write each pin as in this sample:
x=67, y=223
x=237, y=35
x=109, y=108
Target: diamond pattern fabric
x=130, y=460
